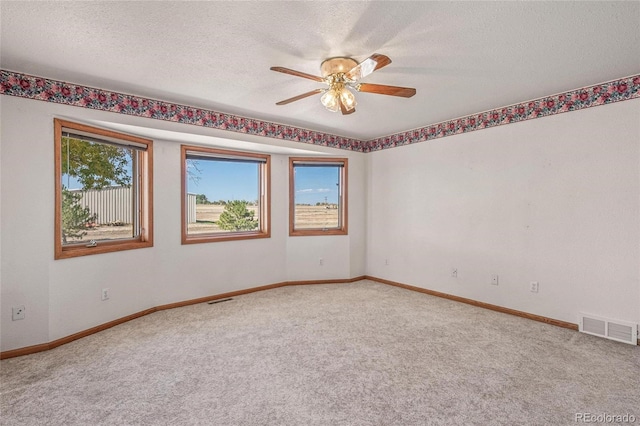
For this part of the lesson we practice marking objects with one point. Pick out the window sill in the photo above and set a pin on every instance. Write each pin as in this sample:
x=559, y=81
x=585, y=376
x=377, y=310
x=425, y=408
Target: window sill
x=316, y=232
x=67, y=252
x=212, y=238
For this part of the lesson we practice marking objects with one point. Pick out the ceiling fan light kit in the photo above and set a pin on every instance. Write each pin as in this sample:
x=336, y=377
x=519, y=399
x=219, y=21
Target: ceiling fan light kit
x=341, y=74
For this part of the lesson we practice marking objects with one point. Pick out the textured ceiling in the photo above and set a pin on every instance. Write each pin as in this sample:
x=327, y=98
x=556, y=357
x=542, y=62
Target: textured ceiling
x=461, y=57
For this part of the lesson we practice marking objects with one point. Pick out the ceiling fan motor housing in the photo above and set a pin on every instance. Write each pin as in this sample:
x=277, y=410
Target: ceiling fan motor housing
x=337, y=65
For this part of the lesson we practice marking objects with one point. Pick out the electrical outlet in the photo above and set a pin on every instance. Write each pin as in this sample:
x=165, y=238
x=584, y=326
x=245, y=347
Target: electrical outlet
x=454, y=272
x=494, y=279
x=17, y=313
x=533, y=286
x=386, y=262
x=105, y=294
x=321, y=261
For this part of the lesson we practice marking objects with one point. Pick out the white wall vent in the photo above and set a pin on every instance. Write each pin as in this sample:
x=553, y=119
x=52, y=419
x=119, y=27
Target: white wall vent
x=620, y=331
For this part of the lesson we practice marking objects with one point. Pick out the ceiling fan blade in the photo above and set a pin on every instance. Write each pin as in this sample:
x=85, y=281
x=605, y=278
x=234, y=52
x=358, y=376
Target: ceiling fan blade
x=405, y=92
x=297, y=73
x=344, y=109
x=366, y=67
x=297, y=98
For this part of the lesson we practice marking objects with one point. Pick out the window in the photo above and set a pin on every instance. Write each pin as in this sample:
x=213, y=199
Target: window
x=317, y=196
x=225, y=195
x=104, y=193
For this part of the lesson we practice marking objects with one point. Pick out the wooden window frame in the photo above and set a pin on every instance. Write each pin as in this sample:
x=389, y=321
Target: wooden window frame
x=343, y=197
x=264, y=198
x=144, y=194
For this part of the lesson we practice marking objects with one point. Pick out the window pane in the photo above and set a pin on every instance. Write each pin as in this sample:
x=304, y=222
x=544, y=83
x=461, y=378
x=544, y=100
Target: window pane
x=99, y=192
x=104, y=196
x=317, y=197
x=222, y=196
x=225, y=195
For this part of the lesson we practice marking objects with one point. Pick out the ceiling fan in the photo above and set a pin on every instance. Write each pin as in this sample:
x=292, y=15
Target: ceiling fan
x=341, y=74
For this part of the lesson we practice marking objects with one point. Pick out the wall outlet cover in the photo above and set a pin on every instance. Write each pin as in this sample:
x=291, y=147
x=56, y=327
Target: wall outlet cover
x=533, y=286
x=17, y=313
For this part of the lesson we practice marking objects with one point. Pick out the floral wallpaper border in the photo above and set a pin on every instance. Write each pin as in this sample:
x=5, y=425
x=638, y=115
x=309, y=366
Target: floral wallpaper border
x=601, y=94
x=39, y=88
x=43, y=89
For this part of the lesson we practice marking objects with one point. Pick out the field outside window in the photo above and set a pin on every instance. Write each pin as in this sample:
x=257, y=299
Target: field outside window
x=225, y=195
x=317, y=196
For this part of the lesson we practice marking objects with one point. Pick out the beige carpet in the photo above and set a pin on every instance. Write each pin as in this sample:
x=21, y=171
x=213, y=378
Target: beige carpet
x=339, y=354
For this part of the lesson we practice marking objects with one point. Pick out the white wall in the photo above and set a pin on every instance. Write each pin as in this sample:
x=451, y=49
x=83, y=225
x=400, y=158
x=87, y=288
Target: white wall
x=343, y=255
x=554, y=200
x=62, y=297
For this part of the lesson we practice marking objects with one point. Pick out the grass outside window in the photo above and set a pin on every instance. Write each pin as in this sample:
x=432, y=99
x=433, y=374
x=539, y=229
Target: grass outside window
x=318, y=196
x=104, y=196
x=225, y=195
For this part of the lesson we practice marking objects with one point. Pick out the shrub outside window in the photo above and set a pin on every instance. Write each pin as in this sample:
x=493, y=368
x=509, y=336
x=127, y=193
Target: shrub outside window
x=225, y=195
x=318, y=196
x=103, y=187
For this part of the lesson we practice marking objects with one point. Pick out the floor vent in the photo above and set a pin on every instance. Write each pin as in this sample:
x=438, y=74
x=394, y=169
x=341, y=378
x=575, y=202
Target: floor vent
x=213, y=302
x=620, y=331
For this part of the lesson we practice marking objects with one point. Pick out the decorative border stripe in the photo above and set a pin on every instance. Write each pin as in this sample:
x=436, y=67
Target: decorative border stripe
x=601, y=94
x=42, y=89
x=39, y=88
